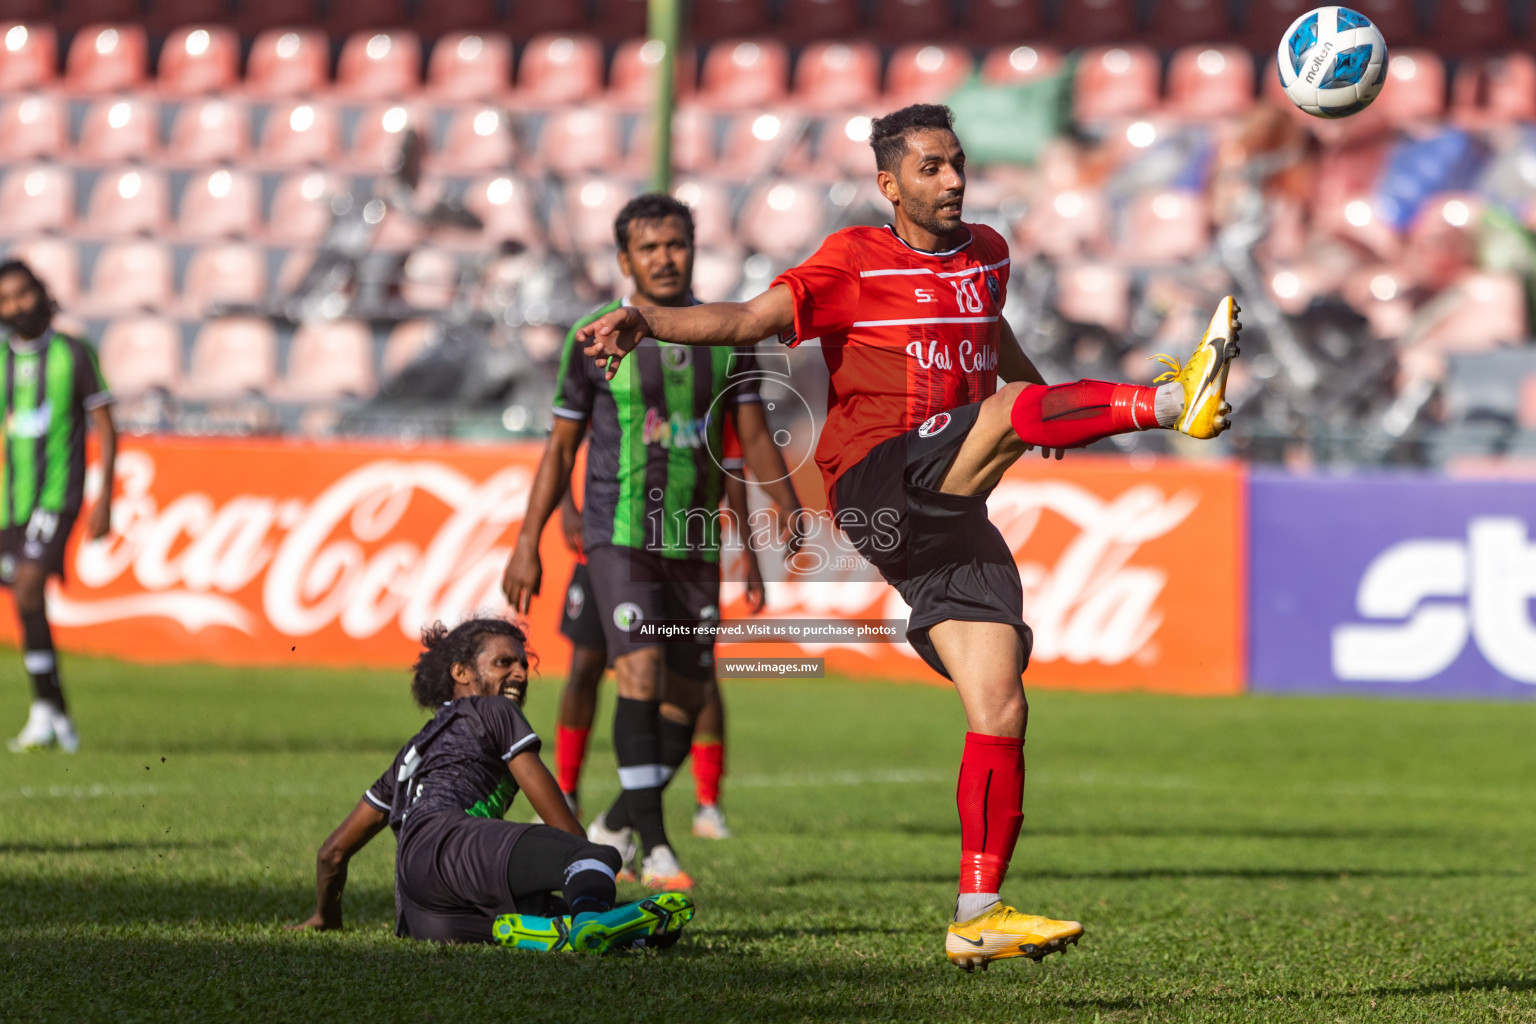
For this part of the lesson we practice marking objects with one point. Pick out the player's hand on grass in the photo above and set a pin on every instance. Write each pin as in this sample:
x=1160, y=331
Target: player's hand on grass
x=610, y=338
x=524, y=572
x=316, y=922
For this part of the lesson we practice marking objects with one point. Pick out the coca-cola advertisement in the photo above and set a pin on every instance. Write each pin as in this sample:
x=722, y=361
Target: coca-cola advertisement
x=272, y=552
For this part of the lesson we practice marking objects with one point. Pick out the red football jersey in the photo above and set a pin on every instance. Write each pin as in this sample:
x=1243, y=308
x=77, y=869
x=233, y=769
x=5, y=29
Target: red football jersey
x=906, y=334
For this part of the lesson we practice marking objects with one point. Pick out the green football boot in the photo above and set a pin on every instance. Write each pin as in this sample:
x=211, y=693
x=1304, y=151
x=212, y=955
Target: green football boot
x=656, y=922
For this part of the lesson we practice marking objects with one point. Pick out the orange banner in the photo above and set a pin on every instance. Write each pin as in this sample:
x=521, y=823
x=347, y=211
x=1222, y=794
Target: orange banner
x=274, y=553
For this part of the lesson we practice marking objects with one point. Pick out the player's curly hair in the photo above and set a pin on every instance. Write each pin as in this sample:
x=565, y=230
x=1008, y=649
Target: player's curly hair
x=650, y=206
x=443, y=648
x=888, y=134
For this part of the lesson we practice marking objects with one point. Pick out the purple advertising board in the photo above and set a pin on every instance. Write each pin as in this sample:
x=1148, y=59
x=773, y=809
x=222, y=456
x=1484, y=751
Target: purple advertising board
x=1406, y=585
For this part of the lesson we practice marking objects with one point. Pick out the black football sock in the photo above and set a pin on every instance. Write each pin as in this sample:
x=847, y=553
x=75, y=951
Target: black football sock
x=42, y=665
x=642, y=773
x=676, y=742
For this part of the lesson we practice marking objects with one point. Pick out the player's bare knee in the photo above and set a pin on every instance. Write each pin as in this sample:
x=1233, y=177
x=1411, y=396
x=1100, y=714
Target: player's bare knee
x=638, y=675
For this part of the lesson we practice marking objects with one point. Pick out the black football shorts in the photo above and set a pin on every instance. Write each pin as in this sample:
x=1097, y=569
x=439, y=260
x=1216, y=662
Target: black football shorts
x=581, y=623
x=634, y=586
x=41, y=539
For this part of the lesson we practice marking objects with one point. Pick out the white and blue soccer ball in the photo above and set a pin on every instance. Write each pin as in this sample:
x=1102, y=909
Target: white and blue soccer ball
x=1332, y=62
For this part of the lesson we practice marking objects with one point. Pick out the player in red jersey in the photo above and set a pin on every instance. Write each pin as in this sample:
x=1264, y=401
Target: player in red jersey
x=918, y=434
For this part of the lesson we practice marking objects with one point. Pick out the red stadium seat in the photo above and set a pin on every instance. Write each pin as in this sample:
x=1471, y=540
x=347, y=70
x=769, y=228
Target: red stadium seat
x=591, y=205
x=1165, y=226
x=131, y=276
x=989, y=23
x=1066, y=223
x=716, y=274
x=695, y=147
x=32, y=127
x=107, y=58
x=507, y=208
x=530, y=18
x=140, y=354
x=926, y=73
x=745, y=73
x=454, y=17
x=221, y=203
x=620, y=19
x=29, y=55
x=128, y=201
x=36, y=198
x=837, y=76
x=329, y=360
x=906, y=21
x=1397, y=19
x=1096, y=22
x=298, y=133
x=1415, y=89
x=56, y=262
x=561, y=69
x=1500, y=90
x=1469, y=26
x=167, y=16
x=579, y=140
x=710, y=203
x=465, y=67
x=728, y=19
x=119, y=129
x=784, y=219
x=842, y=148
x=197, y=60
x=301, y=207
x=477, y=140
x=232, y=358
x=1006, y=65
x=75, y=14
x=208, y=131
x=1094, y=293
x=632, y=76
x=430, y=278
x=379, y=65
x=28, y=11
x=288, y=62
x=258, y=17
x=1175, y=23
x=1210, y=82
x=811, y=20
x=353, y=17
x=379, y=134
x=1116, y=82
x=229, y=273
x=759, y=144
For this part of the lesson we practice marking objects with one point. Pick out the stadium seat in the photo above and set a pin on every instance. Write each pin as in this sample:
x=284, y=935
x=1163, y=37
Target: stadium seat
x=1500, y=90
x=140, y=354
x=288, y=62
x=29, y=55
x=466, y=67
x=26, y=11
x=366, y=17
x=1094, y=293
x=301, y=207
x=745, y=73
x=32, y=127
x=329, y=360
x=75, y=14
x=1415, y=89
x=229, y=273
x=1165, y=226
x=379, y=133
x=56, y=262
x=257, y=17
x=812, y=20
x=1175, y=23
x=530, y=18
x=1462, y=27
x=166, y=17
x=925, y=73
x=35, y=199
x=107, y=58
x=198, y=60
x=1267, y=21
x=1116, y=81
x=560, y=69
x=591, y=204
x=128, y=201
x=232, y=358
x=695, y=143
x=620, y=19
x=454, y=18
x=784, y=219
x=131, y=276
x=710, y=203
x=1066, y=223
x=716, y=274
x=507, y=209
x=430, y=278
x=408, y=340
x=836, y=76
x=988, y=23
x=759, y=144
x=379, y=65
x=477, y=140
x=222, y=203
x=119, y=129
x=1096, y=22
x=1011, y=65
x=632, y=76
x=579, y=140
x=903, y=21
x=209, y=131
x=842, y=148
x=728, y=19
x=1207, y=81
x=298, y=133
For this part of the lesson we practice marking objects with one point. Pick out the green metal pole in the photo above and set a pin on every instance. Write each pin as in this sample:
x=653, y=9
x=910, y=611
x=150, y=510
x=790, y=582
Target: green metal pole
x=666, y=23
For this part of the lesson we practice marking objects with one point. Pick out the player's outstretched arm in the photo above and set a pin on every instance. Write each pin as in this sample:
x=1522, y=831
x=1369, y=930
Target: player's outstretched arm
x=351, y=835
x=521, y=579
x=610, y=338
x=543, y=792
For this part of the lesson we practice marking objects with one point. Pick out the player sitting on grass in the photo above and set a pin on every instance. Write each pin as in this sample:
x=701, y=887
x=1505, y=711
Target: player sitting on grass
x=462, y=874
x=918, y=434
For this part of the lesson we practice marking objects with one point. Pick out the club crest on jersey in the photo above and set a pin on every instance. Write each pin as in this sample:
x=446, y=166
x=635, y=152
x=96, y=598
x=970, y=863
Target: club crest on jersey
x=933, y=424
x=627, y=616
x=575, y=601
x=994, y=289
x=675, y=356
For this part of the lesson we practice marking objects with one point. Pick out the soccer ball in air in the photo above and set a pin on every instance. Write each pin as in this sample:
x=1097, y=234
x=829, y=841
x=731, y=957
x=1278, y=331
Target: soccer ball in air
x=1332, y=62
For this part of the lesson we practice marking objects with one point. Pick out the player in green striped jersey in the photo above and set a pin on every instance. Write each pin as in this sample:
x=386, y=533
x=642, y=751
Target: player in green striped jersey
x=650, y=524
x=50, y=388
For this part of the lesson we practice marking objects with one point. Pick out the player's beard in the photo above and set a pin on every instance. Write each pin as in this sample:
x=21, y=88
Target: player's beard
x=31, y=324
x=926, y=215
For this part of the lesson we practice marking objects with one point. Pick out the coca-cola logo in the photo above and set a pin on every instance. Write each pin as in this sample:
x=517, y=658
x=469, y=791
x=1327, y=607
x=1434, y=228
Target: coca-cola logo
x=337, y=559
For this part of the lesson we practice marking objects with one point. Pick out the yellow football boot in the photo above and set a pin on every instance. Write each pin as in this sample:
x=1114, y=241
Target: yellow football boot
x=1003, y=932
x=1204, y=375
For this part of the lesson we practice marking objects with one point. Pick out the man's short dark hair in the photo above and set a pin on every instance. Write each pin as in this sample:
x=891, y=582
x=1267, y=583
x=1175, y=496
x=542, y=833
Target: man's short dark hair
x=650, y=206
x=888, y=134
x=15, y=266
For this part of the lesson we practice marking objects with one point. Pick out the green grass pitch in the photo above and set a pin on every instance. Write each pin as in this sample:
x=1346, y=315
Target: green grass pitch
x=1237, y=860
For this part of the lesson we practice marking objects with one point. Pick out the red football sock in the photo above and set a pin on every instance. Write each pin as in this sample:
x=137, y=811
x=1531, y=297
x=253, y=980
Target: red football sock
x=1080, y=413
x=708, y=768
x=990, y=796
x=570, y=752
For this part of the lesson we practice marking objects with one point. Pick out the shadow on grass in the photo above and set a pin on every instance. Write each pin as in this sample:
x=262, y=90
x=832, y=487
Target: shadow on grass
x=103, y=847
x=130, y=900
x=1170, y=831
x=1268, y=997
x=1145, y=874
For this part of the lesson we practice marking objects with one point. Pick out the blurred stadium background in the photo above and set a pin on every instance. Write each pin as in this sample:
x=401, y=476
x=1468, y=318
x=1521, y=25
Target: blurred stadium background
x=378, y=217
